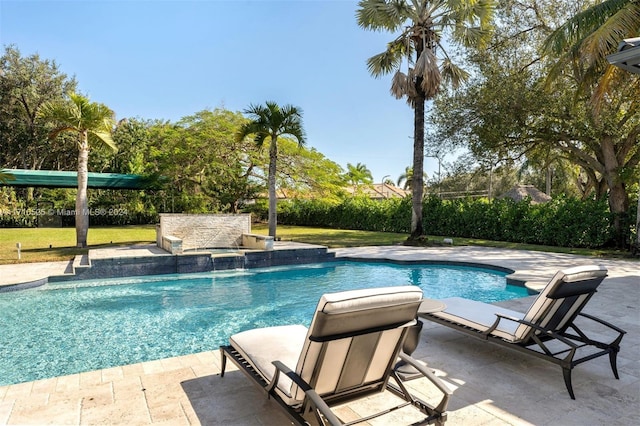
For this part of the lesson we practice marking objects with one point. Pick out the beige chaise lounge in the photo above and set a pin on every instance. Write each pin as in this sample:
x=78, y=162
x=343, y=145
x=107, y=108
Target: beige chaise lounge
x=548, y=329
x=348, y=352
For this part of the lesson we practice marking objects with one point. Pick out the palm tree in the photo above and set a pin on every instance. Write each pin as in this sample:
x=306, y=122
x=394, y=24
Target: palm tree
x=422, y=24
x=359, y=174
x=406, y=179
x=588, y=37
x=93, y=122
x=271, y=121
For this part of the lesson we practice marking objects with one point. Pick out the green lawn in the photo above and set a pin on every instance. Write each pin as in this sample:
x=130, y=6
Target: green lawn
x=54, y=244
x=349, y=238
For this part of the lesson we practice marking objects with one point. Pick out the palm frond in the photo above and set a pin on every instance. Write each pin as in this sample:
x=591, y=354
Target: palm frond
x=384, y=63
x=582, y=25
x=105, y=137
x=379, y=15
x=453, y=74
x=472, y=36
x=604, y=40
x=399, y=85
x=427, y=68
x=412, y=92
x=269, y=121
x=79, y=114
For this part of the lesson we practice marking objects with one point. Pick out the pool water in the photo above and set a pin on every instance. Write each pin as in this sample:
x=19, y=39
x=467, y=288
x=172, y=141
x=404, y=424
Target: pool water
x=66, y=328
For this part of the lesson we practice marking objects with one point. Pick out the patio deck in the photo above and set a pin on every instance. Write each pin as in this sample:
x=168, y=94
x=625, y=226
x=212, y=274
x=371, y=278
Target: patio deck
x=492, y=385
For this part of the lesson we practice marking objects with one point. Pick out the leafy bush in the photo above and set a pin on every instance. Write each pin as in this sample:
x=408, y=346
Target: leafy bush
x=564, y=221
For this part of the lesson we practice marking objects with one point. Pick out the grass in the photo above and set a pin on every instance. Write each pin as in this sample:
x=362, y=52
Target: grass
x=58, y=244
x=349, y=238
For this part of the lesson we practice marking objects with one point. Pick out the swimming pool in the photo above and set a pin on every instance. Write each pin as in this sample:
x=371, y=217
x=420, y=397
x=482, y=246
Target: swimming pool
x=71, y=327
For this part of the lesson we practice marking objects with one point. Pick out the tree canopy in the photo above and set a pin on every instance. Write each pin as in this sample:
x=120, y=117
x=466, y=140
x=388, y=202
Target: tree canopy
x=513, y=111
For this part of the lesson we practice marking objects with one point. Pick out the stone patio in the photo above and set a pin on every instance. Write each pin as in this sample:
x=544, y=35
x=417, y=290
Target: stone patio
x=492, y=385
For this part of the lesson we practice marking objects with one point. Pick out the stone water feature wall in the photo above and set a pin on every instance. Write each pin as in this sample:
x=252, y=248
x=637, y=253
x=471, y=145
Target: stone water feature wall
x=200, y=231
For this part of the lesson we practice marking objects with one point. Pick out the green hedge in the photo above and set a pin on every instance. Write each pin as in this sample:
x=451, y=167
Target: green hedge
x=360, y=213
x=566, y=222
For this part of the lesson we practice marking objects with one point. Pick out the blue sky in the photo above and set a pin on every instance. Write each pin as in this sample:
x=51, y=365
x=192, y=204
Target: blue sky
x=161, y=59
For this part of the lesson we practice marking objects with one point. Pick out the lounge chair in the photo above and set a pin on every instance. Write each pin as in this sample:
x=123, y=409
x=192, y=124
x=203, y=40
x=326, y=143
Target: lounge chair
x=548, y=329
x=348, y=352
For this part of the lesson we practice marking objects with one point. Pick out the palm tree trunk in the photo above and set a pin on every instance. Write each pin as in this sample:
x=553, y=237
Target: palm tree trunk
x=82, y=213
x=273, y=212
x=417, y=180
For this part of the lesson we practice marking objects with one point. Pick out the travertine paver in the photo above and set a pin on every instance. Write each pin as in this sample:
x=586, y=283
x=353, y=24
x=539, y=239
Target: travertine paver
x=492, y=385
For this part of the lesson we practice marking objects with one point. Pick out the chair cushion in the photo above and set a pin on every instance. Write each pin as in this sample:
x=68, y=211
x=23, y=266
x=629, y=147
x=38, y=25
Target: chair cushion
x=342, y=312
x=350, y=312
x=479, y=316
x=543, y=307
x=261, y=346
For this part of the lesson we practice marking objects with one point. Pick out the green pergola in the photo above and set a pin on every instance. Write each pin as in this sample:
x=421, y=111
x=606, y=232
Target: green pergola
x=58, y=179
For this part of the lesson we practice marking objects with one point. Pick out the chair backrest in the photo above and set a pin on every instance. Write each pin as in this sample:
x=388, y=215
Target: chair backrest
x=562, y=299
x=354, y=340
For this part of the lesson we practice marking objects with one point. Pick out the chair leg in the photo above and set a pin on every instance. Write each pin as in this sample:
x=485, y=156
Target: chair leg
x=566, y=372
x=613, y=359
x=223, y=362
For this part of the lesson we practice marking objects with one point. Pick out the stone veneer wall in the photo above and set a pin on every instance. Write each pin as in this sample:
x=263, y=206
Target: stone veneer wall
x=198, y=231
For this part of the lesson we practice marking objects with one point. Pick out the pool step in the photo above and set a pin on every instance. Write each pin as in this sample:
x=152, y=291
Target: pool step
x=81, y=262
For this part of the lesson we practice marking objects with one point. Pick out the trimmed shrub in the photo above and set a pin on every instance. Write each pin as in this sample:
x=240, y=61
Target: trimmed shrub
x=564, y=221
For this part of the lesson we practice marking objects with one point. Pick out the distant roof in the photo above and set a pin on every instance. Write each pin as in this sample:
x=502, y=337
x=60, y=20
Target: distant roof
x=520, y=192
x=379, y=191
x=63, y=179
x=628, y=56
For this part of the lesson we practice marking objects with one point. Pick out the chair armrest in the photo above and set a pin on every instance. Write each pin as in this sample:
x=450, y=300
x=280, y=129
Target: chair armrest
x=442, y=407
x=495, y=324
x=598, y=320
x=508, y=317
x=548, y=332
x=313, y=396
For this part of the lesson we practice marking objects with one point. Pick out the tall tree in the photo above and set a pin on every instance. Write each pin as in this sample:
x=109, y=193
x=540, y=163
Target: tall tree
x=580, y=47
x=509, y=112
x=27, y=83
x=267, y=123
x=421, y=24
x=93, y=122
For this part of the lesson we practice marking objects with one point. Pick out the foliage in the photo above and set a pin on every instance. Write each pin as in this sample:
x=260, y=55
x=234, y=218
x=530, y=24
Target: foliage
x=26, y=84
x=209, y=170
x=360, y=213
x=587, y=38
x=567, y=222
x=512, y=113
x=358, y=175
